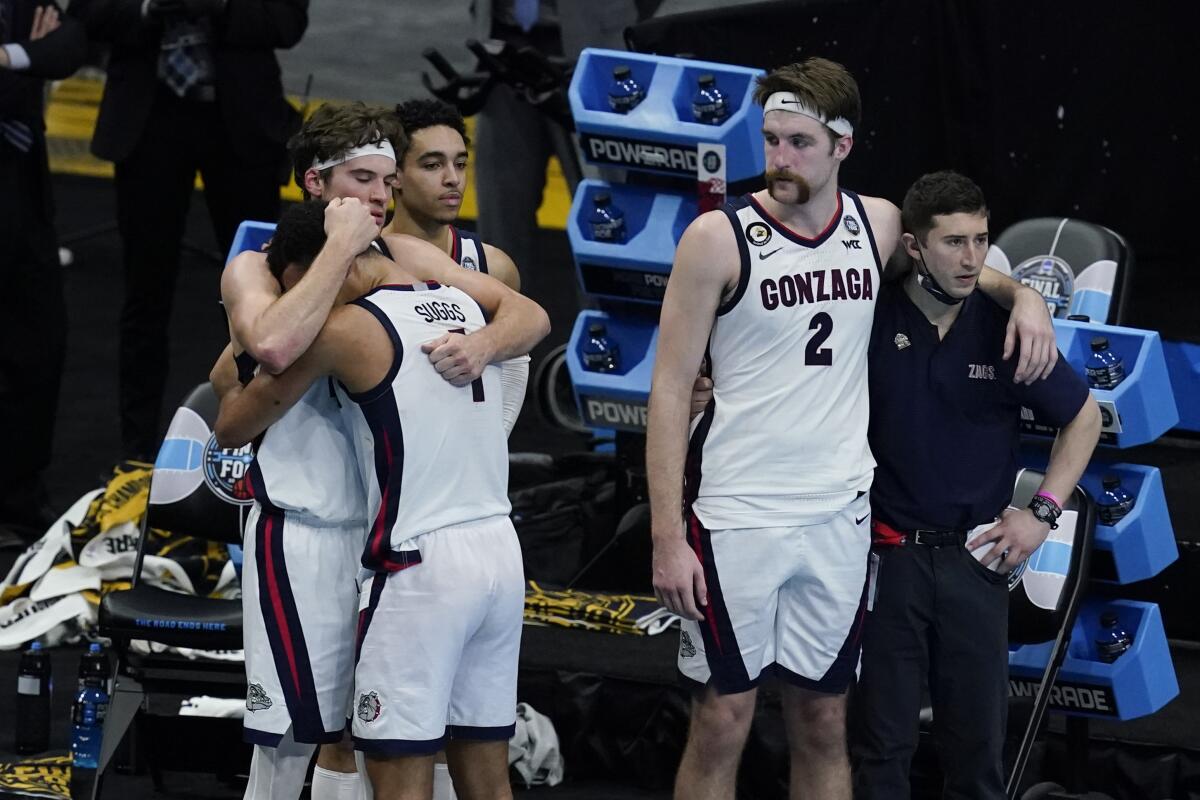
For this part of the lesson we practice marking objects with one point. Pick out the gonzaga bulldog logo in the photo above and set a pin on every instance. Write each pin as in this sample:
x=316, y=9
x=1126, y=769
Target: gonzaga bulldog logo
x=226, y=471
x=257, y=698
x=369, y=707
x=686, y=648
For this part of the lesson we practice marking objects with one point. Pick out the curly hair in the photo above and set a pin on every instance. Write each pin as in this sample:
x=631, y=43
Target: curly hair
x=939, y=193
x=416, y=115
x=298, y=237
x=824, y=85
x=334, y=129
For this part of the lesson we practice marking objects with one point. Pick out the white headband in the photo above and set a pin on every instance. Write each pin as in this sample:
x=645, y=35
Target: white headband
x=786, y=101
x=383, y=147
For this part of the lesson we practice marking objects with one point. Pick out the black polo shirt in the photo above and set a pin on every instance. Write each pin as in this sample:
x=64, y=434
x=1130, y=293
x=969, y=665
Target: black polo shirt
x=946, y=415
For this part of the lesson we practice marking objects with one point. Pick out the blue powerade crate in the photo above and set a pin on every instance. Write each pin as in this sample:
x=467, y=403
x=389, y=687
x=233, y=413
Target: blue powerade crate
x=250, y=235
x=1139, y=682
x=637, y=268
x=1142, y=407
x=660, y=134
x=614, y=400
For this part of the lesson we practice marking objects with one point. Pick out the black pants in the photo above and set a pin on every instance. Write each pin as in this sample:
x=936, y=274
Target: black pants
x=941, y=614
x=33, y=329
x=154, y=188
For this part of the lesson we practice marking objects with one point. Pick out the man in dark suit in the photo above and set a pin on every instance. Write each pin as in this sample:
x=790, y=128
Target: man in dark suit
x=35, y=45
x=192, y=85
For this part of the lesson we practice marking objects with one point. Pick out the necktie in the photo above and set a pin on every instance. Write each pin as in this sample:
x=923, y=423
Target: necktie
x=525, y=12
x=183, y=61
x=17, y=134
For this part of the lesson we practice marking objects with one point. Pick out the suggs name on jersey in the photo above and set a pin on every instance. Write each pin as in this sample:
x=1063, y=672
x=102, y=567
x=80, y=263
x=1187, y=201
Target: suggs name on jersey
x=438, y=310
x=818, y=286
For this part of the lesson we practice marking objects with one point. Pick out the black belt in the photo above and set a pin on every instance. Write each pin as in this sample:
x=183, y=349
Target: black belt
x=938, y=538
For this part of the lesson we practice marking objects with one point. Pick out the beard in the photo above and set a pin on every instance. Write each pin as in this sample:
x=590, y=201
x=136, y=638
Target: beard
x=801, y=188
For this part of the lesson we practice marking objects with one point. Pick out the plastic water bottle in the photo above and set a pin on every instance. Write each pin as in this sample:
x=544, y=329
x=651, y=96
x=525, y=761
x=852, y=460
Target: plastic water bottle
x=1113, y=640
x=1114, y=502
x=1105, y=369
x=600, y=354
x=708, y=103
x=607, y=221
x=94, y=666
x=91, y=707
x=625, y=93
x=33, y=701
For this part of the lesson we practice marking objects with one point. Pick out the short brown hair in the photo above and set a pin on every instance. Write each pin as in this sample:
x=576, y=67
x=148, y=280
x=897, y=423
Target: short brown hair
x=939, y=194
x=333, y=129
x=824, y=85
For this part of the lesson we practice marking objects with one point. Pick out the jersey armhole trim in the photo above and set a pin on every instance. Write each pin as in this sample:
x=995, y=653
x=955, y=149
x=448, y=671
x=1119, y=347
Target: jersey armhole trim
x=744, y=272
x=397, y=358
x=862, y=212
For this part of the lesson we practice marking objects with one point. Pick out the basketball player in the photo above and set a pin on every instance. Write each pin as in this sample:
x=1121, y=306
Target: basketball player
x=768, y=561
x=442, y=590
x=348, y=153
x=937, y=382
x=431, y=178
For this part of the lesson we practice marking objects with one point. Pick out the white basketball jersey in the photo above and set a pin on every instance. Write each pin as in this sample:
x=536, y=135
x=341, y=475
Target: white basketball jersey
x=304, y=463
x=785, y=440
x=467, y=249
x=430, y=454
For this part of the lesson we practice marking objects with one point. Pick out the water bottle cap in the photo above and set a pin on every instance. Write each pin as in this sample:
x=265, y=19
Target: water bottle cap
x=597, y=329
x=35, y=646
x=706, y=80
x=1079, y=317
x=1099, y=343
x=1109, y=619
x=94, y=647
x=602, y=198
x=621, y=73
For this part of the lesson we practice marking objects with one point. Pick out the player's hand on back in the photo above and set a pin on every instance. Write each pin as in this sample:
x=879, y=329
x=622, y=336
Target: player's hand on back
x=459, y=358
x=1029, y=326
x=351, y=223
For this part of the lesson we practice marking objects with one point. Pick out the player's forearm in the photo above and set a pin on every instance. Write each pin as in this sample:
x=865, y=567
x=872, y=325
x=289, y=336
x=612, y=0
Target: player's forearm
x=224, y=374
x=287, y=327
x=1072, y=450
x=1004, y=290
x=666, y=452
x=518, y=325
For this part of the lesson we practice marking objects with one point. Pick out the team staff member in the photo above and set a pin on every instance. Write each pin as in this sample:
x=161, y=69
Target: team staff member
x=945, y=421
x=768, y=561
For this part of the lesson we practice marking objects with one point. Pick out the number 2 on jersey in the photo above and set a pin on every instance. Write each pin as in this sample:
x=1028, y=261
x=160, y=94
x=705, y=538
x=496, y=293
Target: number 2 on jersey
x=814, y=354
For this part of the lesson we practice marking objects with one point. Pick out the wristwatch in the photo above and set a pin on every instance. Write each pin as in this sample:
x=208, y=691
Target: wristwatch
x=1044, y=510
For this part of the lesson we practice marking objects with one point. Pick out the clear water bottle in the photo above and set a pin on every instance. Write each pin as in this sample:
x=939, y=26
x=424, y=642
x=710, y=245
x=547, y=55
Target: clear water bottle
x=91, y=707
x=1105, y=369
x=1113, y=640
x=1114, y=502
x=600, y=354
x=607, y=221
x=625, y=93
x=709, y=105
x=33, y=701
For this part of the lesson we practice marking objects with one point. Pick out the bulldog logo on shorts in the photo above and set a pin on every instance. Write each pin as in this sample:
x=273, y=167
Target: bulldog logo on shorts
x=256, y=698
x=686, y=648
x=369, y=707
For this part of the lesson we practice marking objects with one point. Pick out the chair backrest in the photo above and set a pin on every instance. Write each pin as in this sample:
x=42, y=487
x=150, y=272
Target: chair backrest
x=1045, y=591
x=199, y=488
x=1078, y=266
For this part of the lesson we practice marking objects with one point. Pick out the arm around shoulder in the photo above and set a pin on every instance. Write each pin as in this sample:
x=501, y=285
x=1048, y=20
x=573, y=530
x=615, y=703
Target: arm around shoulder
x=502, y=267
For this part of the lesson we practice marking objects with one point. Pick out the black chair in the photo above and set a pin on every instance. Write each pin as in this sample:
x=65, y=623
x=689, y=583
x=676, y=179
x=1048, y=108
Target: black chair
x=1099, y=265
x=183, y=501
x=1043, y=608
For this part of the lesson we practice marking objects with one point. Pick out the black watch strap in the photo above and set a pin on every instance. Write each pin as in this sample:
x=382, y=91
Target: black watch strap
x=1045, y=511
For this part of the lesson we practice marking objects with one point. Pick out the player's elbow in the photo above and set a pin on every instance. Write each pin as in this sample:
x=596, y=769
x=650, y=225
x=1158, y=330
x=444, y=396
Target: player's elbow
x=273, y=356
x=1090, y=421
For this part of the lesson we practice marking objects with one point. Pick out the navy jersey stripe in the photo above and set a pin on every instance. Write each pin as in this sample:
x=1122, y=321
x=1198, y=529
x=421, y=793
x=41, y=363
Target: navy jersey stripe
x=383, y=419
x=284, y=631
x=862, y=212
x=397, y=355
x=744, y=254
x=790, y=234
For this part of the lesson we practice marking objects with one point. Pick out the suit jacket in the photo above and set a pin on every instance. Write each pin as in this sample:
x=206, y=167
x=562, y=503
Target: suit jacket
x=247, y=78
x=52, y=57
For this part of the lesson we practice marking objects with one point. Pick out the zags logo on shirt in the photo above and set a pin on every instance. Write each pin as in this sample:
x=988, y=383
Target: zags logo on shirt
x=437, y=310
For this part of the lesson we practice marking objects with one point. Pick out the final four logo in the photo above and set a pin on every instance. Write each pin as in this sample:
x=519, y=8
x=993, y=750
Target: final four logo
x=1051, y=277
x=226, y=470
